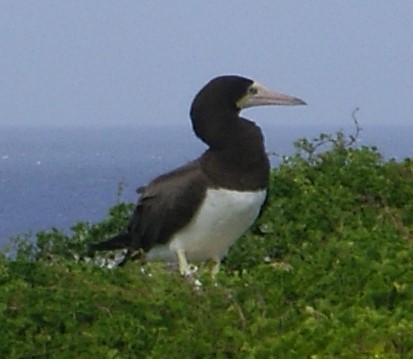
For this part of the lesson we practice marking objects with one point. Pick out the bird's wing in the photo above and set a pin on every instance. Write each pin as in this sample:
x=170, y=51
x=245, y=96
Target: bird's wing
x=166, y=204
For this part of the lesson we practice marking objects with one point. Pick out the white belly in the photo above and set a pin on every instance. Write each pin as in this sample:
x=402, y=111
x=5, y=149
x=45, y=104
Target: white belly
x=224, y=216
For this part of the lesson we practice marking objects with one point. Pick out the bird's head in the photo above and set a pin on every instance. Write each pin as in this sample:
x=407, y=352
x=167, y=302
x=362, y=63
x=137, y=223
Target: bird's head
x=215, y=109
x=234, y=93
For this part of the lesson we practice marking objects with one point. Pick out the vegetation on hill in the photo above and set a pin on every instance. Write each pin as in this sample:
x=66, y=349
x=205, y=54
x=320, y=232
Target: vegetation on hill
x=326, y=272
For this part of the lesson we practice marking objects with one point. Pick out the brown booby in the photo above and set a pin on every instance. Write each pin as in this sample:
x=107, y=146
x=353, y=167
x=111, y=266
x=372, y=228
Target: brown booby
x=197, y=211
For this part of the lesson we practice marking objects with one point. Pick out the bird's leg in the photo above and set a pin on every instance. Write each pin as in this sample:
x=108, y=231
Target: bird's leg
x=216, y=267
x=184, y=268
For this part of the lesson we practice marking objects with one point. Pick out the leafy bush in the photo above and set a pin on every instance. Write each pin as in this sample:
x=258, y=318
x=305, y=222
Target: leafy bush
x=326, y=272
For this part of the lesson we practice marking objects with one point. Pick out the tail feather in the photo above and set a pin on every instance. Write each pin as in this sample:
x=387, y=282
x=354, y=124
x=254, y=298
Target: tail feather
x=120, y=241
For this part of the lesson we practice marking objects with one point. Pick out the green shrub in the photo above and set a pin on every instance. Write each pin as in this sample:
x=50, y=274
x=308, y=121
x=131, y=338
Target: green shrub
x=326, y=272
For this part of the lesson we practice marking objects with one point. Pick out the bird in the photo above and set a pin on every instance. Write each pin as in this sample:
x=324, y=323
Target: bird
x=199, y=210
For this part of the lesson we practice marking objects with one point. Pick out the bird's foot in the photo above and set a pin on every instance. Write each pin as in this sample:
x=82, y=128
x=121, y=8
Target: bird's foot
x=188, y=271
x=184, y=267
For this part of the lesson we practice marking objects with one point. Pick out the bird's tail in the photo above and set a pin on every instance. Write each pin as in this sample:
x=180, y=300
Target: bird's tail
x=120, y=241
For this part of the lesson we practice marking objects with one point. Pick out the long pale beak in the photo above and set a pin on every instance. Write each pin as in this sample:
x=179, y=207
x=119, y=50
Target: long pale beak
x=258, y=95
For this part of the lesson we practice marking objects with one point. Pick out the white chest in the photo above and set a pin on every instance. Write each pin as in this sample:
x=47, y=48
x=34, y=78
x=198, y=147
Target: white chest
x=224, y=216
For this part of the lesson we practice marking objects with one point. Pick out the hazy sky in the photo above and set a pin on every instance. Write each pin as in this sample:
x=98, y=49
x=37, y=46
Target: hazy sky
x=135, y=62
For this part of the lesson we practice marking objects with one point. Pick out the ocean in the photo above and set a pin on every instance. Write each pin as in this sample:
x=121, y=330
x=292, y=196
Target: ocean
x=56, y=176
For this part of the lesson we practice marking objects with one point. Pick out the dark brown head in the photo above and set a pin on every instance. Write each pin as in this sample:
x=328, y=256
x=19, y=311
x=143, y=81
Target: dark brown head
x=216, y=107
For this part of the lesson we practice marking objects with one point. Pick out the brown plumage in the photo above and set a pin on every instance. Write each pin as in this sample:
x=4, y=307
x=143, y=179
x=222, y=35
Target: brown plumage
x=235, y=165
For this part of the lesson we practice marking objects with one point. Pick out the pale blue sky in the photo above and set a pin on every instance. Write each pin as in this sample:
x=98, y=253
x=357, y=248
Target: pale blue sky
x=135, y=62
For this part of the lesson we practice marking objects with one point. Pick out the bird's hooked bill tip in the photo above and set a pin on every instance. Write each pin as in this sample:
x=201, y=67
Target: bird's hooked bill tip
x=298, y=101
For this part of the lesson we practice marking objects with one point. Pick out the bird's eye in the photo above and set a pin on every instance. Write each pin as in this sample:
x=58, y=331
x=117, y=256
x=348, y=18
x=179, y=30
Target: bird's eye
x=252, y=90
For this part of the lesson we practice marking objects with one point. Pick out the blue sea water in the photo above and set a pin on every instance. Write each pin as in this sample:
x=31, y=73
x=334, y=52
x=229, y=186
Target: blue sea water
x=54, y=177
